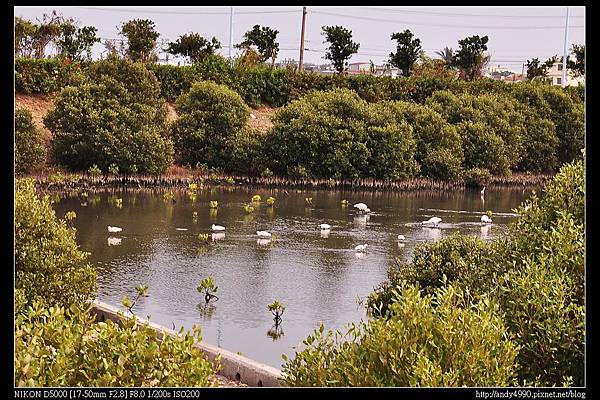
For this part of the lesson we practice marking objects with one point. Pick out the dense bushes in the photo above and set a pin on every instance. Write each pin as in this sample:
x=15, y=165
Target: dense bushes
x=58, y=346
x=114, y=117
x=336, y=134
x=57, y=342
x=45, y=76
x=536, y=276
x=48, y=263
x=458, y=127
x=29, y=149
x=211, y=117
x=444, y=339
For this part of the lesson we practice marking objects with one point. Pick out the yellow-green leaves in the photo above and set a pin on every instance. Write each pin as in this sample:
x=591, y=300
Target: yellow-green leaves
x=65, y=347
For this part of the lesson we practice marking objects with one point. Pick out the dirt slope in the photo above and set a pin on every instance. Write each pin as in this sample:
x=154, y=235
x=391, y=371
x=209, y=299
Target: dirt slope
x=39, y=105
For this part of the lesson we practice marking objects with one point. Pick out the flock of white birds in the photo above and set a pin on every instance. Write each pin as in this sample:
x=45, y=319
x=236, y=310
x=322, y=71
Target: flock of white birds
x=325, y=228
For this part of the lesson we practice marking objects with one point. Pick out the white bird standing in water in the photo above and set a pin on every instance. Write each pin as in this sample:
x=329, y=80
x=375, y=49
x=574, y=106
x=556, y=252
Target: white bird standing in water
x=361, y=248
x=483, y=192
x=325, y=227
x=217, y=228
x=361, y=207
x=113, y=229
x=263, y=234
x=485, y=219
x=433, y=220
x=401, y=238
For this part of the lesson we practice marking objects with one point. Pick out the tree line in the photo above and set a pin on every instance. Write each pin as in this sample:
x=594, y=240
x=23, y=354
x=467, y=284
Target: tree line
x=260, y=45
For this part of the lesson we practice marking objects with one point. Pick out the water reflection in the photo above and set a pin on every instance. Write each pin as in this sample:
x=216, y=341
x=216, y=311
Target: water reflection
x=113, y=241
x=318, y=275
x=276, y=332
x=218, y=236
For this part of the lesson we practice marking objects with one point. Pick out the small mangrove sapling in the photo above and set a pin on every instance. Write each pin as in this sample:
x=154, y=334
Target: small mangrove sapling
x=141, y=291
x=208, y=288
x=277, y=310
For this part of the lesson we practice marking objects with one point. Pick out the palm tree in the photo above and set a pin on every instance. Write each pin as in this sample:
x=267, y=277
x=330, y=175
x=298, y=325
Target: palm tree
x=447, y=55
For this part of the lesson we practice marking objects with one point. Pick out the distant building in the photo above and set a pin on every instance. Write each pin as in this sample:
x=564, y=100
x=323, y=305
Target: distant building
x=514, y=78
x=497, y=73
x=555, y=73
x=361, y=68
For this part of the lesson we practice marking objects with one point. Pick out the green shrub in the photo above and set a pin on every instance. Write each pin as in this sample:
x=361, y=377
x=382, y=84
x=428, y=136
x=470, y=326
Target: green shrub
x=569, y=119
x=247, y=154
x=476, y=177
x=174, y=80
x=447, y=339
x=45, y=76
x=59, y=346
x=539, y=145
x=442, y=164
x=337, y=135
x=467, y=261
x=543, y=294
x=29, y=149
x=483, y=149
x=536, y=275
x=48, y=262
x=430, y=129
x=211, y=121
x=553, y=103
x=114, y=118
x=262, y=85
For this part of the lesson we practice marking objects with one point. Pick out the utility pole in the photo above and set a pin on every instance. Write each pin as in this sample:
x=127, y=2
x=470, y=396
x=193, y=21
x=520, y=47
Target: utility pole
x=564, y=63
x=301, y=61
x=231, y=36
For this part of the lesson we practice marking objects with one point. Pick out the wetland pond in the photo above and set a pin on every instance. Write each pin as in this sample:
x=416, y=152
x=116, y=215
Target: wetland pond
x=318, y=277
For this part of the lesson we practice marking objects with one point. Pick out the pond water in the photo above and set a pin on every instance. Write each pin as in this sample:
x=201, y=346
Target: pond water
x=319, y=278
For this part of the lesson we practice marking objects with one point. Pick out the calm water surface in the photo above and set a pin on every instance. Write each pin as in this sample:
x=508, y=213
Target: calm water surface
x=319, y=279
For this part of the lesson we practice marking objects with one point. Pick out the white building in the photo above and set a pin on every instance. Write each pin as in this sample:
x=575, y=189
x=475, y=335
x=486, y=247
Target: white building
x=360, y=68
x=556, y=75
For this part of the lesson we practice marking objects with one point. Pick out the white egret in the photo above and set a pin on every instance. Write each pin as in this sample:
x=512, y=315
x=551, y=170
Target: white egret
x=113, y=229
x=361, y=207
x=217, y=228
x=361, y=248
x=485, y=219
x=433, y=221
x=483, y=192
x=263, y=234
x=401, y=238
x=325, y=227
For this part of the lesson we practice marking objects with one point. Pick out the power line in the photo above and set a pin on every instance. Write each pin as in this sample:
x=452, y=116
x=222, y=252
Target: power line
x=403, y=11
x=443, y=25
x=128, y=10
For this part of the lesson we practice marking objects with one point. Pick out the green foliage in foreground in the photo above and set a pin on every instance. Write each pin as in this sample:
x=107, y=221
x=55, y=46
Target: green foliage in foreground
x=536, y=276
x=444, y=339
x=48, y=262
x=57, y=346
x=29, y=149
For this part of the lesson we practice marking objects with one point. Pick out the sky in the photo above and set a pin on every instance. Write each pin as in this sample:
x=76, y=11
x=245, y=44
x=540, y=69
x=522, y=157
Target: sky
x=516, y=34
